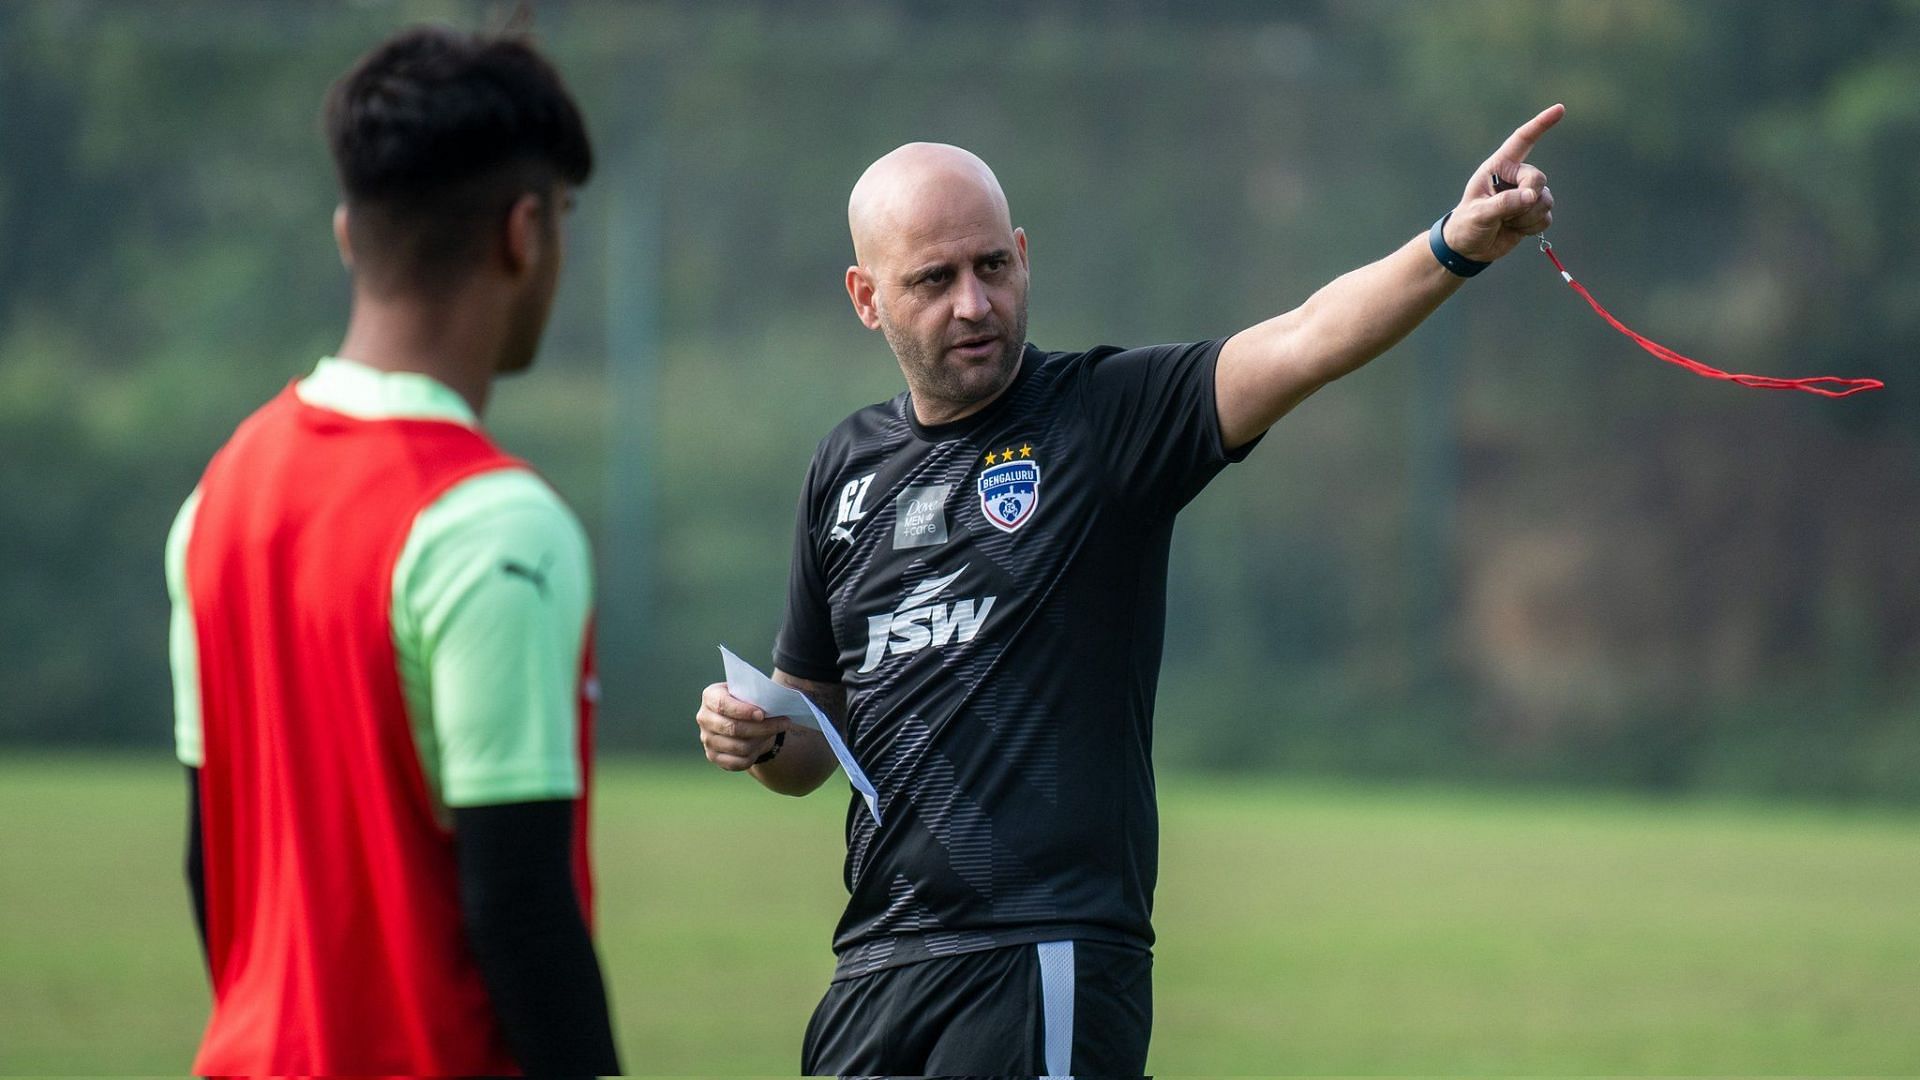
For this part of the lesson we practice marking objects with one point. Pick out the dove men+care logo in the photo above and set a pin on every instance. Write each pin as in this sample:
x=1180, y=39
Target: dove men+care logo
x=923, y=621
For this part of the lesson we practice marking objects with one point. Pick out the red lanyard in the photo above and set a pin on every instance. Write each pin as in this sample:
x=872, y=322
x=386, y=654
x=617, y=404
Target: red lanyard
x=1761, y=382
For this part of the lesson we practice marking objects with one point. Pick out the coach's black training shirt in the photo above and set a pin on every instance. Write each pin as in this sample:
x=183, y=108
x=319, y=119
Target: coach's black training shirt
x=992, y=593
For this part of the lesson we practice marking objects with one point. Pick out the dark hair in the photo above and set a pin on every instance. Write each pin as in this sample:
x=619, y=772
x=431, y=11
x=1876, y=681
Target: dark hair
x=435, y=133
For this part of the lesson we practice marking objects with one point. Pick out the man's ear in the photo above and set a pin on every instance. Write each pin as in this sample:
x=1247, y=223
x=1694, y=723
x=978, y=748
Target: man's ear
x=1020, y=242
x=860, y=290
x=525, y=233
x=342, y=239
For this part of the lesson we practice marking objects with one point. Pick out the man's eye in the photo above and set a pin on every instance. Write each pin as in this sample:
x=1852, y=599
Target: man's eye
x=936, y=277
x=993, y=266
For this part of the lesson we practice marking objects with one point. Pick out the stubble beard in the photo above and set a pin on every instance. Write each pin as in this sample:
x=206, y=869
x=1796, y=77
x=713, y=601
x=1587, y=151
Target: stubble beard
x=956, y=386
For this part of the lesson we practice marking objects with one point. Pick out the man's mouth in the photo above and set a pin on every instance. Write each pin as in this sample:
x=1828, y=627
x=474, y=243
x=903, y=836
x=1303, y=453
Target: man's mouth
x=977, y=347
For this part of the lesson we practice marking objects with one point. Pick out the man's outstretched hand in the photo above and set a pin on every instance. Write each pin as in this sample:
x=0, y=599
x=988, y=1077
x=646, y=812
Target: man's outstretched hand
x=1493, y=217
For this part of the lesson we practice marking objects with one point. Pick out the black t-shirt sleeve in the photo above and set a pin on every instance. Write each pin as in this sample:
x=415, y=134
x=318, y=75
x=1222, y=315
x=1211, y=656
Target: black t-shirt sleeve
x=805, y=646
x=1153, y=418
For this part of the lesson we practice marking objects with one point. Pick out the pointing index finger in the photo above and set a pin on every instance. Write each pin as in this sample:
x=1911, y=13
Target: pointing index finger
x=1520, y=143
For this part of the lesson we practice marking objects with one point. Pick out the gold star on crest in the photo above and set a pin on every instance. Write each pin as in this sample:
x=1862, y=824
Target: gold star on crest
x=1026, y=450
x=989, y=457
x=1007, y=454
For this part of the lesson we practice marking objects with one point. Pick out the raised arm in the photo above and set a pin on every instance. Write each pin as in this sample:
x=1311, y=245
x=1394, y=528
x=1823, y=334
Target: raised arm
x=737, y=736
x=1266, y=370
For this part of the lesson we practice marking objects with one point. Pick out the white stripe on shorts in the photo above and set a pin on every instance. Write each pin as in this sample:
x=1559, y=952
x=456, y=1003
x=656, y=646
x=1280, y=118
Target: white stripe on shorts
x=1056, y=997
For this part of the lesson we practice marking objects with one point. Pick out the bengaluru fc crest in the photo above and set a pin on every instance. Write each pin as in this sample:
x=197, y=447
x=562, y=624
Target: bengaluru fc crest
x=1009, y=492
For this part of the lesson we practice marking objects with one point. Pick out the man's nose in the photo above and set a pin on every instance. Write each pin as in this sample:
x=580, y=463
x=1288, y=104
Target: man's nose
x=970, y=301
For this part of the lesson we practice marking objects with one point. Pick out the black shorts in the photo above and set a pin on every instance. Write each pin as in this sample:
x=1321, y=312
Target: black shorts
x=1054, y=1009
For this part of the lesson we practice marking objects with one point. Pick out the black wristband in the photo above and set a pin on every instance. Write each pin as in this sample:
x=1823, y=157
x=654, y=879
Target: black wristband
x=1457, y=264
x=779, y=740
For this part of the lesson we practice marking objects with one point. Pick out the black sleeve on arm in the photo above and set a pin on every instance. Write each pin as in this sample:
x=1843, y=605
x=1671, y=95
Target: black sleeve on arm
x=805, y=646
x=524, y=924
x=196, y=864
x=1152, y=409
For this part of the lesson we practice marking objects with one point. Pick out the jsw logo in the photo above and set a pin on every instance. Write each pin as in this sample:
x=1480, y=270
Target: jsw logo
x=918, y=623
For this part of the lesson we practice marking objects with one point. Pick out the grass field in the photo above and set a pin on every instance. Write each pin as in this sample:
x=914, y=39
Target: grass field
x=1303, y=928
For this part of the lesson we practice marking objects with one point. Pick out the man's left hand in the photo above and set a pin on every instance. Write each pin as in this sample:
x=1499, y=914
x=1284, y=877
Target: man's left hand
x=1507, y=200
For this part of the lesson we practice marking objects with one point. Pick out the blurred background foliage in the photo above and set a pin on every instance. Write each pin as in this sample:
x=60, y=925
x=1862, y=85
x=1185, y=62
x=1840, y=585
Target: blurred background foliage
x=1514, y=549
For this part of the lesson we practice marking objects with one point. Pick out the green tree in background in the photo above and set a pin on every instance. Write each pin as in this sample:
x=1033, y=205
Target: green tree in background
x=1516, y=547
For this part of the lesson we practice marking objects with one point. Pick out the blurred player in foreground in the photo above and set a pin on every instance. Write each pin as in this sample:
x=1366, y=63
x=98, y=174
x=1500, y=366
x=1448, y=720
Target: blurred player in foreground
x=978, y=600
x=380, y=641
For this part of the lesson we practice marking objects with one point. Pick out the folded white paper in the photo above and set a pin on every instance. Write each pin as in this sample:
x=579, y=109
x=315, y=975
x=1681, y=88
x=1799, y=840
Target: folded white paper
x=745, y=682
x=750, y=685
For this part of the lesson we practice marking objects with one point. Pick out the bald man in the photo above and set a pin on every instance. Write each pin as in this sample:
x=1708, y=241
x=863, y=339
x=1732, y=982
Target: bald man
x=977, y=603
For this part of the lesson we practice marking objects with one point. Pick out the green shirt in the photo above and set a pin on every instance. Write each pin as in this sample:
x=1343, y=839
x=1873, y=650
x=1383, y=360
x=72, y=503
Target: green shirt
x=489, y=658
